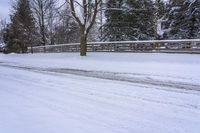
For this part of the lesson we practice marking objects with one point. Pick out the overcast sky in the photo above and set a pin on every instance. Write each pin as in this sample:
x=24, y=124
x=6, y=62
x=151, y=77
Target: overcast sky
x=4, y=9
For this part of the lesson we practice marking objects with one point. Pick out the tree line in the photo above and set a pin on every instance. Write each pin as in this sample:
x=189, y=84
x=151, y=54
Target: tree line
x=38, y=23
x=147, y=20
x=44, y=22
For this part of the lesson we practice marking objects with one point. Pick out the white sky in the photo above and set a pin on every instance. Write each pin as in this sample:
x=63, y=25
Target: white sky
x=4, y=9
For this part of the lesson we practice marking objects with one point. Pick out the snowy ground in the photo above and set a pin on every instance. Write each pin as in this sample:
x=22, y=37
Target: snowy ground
x=104, y=92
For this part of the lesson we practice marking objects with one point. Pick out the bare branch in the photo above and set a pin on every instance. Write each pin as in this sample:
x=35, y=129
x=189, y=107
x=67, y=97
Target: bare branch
x=97, y=2
x=71, y=2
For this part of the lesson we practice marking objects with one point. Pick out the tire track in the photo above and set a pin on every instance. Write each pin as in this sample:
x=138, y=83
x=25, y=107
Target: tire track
x=109, y=76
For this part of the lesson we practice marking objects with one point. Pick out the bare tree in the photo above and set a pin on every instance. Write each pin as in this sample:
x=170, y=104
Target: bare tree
x=43, y=10
x=85, y=16
x=66, y=29
x=51, y=20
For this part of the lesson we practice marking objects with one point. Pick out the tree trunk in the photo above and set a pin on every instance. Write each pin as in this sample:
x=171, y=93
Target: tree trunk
x=83, y=42
x=31, y=49
x=43, y=38
x=43, y=30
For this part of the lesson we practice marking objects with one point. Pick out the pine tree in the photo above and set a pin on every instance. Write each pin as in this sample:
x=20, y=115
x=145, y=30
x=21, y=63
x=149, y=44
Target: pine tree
x=159, y=14
x=193, y=18
x=141, y=19
x=21, y=32
x=183, y=19
x=129, y=20
x=115, y=27
x=12, y=37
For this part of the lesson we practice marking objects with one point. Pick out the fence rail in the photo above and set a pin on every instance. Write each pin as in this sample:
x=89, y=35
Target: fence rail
x=175, y=46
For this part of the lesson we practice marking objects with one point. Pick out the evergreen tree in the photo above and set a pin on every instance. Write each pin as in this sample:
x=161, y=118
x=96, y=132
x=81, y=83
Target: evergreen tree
x=193, y=18
x=21, y=32
x=183, y=19
x=12, y=38
x=159, y=13
x=115, y=27
x=141, y=19
x=161, y=8
x=129, y=20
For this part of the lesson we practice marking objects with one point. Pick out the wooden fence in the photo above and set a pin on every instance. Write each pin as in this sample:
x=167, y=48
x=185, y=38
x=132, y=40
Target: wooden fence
x=174, y=46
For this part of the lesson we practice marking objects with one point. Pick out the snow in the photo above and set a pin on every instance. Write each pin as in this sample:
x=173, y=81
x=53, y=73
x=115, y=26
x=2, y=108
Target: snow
x=178, y=67
x=43, y=101
x=159, y=27
x=2, y=45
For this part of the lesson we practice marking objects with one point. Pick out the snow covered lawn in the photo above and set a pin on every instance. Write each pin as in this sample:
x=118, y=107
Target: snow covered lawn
x=34, y=100
x=171, y=67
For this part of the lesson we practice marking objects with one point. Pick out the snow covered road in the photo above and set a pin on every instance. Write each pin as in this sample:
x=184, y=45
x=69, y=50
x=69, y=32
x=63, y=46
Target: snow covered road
x=127, y=77
x=44, y=102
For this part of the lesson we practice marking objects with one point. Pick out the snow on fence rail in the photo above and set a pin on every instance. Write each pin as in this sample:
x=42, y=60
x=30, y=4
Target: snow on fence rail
x=183, y=46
